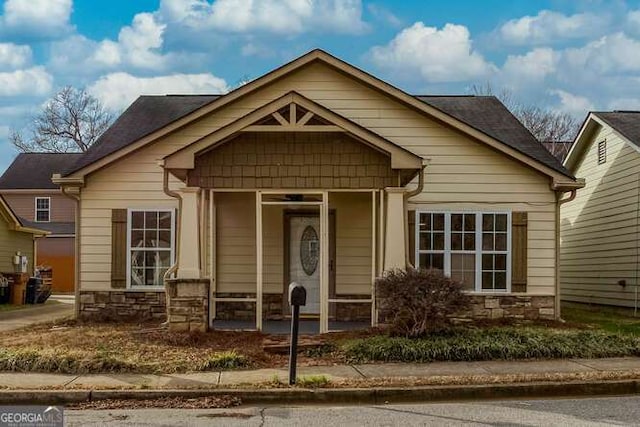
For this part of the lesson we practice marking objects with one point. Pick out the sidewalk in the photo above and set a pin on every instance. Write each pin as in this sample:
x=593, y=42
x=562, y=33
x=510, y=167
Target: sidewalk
x=223, y=379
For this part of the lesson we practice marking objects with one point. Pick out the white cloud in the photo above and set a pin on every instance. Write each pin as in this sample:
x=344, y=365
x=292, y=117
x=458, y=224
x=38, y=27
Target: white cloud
x=615, y=53
x=633, y=19
x=274, y=16
x=534, y=65
x=14, y=56
x=32, y=81
x=445, y=55
x=140, y=42
x=37, y=18
x=548, y=27
x=575, y=105
x=118, y=90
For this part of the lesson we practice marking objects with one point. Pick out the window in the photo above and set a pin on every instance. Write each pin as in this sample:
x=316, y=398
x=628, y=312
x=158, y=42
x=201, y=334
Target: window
x=602, y=152
x=151, y=242
x=43, y=209
x=472, y=247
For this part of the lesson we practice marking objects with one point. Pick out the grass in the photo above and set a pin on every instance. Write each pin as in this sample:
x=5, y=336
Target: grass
x=312, y=381
x=225, y=360
x=108, y=348
x=606, y=318
x=495, y=343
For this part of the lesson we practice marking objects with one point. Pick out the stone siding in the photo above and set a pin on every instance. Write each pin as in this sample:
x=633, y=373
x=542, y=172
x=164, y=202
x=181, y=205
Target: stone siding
x=122, y=305
x=352, y=311
x=188, y=304
x=272, y=307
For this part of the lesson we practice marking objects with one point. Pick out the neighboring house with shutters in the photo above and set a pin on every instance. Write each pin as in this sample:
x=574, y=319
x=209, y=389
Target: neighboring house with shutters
x=317, y=173
x=16, y=236
x=600, y=228
x=27, y=188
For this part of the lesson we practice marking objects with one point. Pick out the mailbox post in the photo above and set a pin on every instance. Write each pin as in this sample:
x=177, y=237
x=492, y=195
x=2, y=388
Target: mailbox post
x=297, y=297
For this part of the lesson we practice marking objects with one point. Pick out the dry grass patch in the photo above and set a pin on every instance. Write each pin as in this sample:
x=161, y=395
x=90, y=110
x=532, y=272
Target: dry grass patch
x=72, y=347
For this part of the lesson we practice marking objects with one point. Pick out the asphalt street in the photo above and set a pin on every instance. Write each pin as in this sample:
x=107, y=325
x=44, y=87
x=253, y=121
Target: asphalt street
x=622, y=410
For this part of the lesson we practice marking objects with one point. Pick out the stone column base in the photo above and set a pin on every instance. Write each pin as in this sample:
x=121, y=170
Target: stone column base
x=187, y=304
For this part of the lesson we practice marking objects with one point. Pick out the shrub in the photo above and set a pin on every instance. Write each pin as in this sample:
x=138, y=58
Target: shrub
x=499, y=343
x=415, y=302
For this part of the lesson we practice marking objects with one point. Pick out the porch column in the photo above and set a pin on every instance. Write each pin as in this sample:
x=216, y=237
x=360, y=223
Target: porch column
x=394, y=244
x=189, y=253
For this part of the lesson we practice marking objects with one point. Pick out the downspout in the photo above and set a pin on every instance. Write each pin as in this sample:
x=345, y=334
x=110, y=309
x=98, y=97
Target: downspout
x=406, y=198
x=561, y=202
x=168, y=192
x=76, y=257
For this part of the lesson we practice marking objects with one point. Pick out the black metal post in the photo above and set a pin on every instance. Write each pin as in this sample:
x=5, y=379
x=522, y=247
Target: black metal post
x=293, y=350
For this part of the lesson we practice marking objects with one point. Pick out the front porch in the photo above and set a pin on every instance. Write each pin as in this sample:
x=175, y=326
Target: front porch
x=291, y=192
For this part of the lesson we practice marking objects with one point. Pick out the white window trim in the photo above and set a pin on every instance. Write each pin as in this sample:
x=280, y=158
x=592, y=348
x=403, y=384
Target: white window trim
x=129, y=249
x=478, y=251
x=35, y=217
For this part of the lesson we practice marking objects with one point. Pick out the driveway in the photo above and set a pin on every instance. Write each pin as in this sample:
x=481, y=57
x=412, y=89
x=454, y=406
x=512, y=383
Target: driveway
x=17, y=319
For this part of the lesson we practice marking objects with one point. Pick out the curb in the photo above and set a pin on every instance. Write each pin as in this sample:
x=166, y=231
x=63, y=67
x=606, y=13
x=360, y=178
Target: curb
x=374, y=396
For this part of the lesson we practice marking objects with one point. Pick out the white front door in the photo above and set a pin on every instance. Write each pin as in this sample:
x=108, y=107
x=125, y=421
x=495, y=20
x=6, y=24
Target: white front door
x=304, y=258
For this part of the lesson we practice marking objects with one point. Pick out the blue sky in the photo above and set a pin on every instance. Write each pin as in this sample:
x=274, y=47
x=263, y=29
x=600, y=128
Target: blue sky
x=572, y=56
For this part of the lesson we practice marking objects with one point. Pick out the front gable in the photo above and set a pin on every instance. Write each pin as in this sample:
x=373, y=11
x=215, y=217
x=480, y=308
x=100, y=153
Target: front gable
x=343, y=89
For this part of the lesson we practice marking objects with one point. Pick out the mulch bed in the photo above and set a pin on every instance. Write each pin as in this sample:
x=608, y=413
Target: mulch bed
x=162, y=402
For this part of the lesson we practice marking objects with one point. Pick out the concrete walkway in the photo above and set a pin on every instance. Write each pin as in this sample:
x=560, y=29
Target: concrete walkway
x=378, y=371
x=28, y=316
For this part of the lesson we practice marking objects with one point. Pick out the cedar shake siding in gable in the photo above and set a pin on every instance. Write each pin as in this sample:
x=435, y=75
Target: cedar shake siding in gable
x=293, y=160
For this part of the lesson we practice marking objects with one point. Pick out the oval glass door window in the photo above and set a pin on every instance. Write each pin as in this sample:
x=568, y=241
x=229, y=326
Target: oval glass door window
x=309, y=250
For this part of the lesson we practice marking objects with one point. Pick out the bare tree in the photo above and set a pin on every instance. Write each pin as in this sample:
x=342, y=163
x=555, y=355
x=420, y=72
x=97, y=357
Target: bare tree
x=71, y=121
x=552, y=128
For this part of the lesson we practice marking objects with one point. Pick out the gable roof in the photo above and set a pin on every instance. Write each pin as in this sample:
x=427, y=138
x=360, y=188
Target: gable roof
x=472, y=123
x=146, y=115
x=488, y=115
x=625, y=123
x=34, y=170
x=16, y=223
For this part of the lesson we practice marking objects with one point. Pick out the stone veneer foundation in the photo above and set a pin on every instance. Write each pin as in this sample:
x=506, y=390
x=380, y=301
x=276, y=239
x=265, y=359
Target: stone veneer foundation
x=188, y=304
x=122, y=305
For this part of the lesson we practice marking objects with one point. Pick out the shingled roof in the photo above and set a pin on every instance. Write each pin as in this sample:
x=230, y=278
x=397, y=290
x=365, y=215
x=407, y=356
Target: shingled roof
x=34, y=170
x=150, y=113
x=625, y=122
x=146, y=115
x=488, y=115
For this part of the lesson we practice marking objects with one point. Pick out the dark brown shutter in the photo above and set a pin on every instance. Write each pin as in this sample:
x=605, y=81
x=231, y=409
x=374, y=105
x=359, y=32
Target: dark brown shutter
x=519, y=252
x=119, y=248
x=412, y=237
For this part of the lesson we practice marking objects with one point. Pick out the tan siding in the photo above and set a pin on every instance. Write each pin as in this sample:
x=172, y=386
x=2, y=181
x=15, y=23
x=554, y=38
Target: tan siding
x=599, y=228
x=62, y=208
x=12, y=241
x=462, y=174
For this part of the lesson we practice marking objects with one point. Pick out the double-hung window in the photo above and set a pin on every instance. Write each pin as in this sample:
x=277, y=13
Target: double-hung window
x=43, y=209
x=471, y=247
x=151, y=243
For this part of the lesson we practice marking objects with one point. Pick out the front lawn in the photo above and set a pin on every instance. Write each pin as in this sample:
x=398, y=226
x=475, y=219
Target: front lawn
x=78, y=348
x=610, y=319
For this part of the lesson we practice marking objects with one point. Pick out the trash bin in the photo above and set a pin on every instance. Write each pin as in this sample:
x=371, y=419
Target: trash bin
x=5, y=291
x=32, y=289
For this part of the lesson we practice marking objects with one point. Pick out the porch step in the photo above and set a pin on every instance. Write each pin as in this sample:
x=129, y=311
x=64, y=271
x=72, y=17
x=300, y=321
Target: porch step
x=281, y=346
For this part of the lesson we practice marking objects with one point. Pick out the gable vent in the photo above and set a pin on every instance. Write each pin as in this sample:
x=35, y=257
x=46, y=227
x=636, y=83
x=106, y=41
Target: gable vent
x=602, y=152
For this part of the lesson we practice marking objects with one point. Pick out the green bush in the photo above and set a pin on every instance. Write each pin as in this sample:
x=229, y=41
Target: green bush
x=415, y=302
x=226, y=360
x=312, y=381
x=504, y=343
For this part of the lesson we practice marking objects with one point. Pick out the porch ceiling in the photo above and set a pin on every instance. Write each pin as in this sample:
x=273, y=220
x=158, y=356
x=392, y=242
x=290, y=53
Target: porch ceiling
x=315, y=119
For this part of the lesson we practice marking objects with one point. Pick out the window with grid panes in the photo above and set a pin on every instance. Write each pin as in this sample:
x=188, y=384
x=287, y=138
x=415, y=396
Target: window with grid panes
x=151, y=246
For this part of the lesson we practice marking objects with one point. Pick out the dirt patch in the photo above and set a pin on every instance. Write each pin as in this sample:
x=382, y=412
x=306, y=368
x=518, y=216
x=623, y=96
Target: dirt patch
x=163, y=402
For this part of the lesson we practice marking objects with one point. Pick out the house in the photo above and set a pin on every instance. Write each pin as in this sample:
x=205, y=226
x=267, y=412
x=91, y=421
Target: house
x=16, y=238
x=27, y=188
x=600, y=227
x=317, y=173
